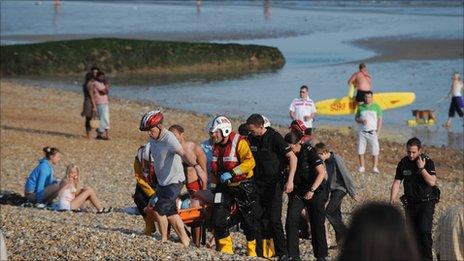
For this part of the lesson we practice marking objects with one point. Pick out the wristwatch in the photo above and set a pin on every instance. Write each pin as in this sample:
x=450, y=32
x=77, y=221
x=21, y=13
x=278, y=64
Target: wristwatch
x=312, y=190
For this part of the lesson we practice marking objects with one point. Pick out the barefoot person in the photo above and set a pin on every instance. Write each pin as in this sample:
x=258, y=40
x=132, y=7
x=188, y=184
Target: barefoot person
x=457, y=102
x=88, y=108
x=362, y=80
x=73, y=197
x=100, y=91
x=196, y=183
x=41, y=186
x=167, y=155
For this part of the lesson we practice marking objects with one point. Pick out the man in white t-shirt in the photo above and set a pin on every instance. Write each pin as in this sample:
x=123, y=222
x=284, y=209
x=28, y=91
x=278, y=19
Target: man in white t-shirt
x=303, y=109
x=167, y=155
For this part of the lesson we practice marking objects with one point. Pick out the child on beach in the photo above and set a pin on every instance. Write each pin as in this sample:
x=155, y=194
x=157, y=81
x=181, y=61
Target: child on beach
x=72, y=196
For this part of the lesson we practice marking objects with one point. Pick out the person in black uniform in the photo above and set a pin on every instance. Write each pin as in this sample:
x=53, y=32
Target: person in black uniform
x=271, y=155
x=309, y=192
x=417, y=172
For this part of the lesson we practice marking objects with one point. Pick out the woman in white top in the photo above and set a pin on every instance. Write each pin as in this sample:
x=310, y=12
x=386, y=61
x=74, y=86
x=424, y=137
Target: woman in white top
x=457, y=102
x=72, y=196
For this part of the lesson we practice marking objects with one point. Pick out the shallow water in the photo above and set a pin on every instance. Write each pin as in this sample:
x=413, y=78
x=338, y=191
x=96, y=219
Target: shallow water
x=314, y=38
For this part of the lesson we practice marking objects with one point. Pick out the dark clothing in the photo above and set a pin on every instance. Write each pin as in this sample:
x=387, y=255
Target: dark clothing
x=269, y=152
x=167, y=195
x=415, y=186
x=334, y=213
x=141, y=200
x=245, y=197
x=360, y=96
x=420, y=216
x=87, y=123
x=315, y=209
x=305, y=176
x=420, y=205
x=87, y=105
x=456, y=106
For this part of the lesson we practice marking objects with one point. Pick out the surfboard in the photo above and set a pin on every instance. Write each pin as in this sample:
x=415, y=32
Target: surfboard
x=347, y=105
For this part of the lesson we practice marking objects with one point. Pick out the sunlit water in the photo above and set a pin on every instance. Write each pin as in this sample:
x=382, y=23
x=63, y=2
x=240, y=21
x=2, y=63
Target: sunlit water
x=314, y=38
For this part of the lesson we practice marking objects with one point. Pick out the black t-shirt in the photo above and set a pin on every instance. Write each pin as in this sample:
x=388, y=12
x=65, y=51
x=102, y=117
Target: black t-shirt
x=414, y=184
x=306, y=173
x=269, y=151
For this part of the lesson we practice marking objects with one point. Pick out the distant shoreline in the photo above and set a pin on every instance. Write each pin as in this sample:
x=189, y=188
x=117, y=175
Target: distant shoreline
x=392, y=49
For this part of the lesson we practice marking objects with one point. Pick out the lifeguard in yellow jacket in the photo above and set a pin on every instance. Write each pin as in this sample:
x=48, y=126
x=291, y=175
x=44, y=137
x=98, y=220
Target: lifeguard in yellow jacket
x=232, y=168
x=144, y=172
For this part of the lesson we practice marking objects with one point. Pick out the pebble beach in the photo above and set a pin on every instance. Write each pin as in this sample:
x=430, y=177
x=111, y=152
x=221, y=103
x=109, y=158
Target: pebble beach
x=33, y=117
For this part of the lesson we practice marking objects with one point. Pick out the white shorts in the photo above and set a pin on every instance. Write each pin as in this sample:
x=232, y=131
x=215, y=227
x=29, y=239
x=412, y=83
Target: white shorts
x=104, y=116
x=370, y=141
x=64, y=204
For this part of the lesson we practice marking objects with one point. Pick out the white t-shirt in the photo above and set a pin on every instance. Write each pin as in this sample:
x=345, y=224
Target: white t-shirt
x=303, y=108
x=168, y=164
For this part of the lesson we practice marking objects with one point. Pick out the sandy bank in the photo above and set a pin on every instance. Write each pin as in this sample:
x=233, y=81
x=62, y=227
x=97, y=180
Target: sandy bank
x=32, y=118
x=394, y=49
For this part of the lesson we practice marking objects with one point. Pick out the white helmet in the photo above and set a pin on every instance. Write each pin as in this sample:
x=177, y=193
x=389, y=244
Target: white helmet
x=221, y=123
x=267, y=122
x=144, y=152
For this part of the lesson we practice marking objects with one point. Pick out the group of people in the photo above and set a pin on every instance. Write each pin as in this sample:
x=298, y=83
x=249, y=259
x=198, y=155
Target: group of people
x=96, y=103
x=42, y=187
x=246, y=175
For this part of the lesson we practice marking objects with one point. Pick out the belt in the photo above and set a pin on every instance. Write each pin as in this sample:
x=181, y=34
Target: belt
x=370, y=131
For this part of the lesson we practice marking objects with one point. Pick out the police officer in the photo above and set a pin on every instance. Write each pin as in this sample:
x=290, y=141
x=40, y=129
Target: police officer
x=417, y=171
x=271, y=155
x=309, y=192
x=232, y=169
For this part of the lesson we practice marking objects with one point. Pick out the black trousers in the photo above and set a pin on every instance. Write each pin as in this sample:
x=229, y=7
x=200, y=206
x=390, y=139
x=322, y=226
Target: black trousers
x=87, y=124
x=316, y=212
x=334, y=213
x=245, y=196
x=140, y=199
x=270, y=200
x=420, y=216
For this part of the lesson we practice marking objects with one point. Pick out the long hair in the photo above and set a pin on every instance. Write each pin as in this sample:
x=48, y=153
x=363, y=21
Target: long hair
x=378, y=231
x=68, y=171
x=50, y=151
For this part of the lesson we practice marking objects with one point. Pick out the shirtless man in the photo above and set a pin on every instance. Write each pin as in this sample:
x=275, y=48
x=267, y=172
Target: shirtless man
x=196, y=184
x=362, y=80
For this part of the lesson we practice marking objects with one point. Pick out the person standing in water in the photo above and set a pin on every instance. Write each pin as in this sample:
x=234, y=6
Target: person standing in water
x=457, y=102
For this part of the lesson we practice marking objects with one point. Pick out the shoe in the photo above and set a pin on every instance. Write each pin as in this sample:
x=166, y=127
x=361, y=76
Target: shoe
x=375, y=170
x=105, y=210
x=99, y=137
x=361, y=169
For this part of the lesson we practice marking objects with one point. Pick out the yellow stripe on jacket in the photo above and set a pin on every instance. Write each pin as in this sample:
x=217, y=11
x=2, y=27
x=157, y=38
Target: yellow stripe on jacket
x=141, y=180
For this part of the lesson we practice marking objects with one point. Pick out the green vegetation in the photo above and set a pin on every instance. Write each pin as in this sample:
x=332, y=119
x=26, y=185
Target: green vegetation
x=121, y=56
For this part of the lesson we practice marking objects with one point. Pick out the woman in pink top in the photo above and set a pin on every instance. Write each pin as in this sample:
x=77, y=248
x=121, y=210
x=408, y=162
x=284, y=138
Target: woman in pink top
x=101, y=90
x=72, y=197
x=362, y=80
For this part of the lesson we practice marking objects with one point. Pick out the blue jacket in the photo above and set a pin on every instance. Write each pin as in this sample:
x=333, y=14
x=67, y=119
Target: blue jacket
x=39, y=178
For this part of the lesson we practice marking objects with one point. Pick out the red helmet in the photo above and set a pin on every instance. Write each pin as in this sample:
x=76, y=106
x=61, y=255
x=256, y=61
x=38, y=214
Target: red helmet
x=150, y=120
x=298, y=126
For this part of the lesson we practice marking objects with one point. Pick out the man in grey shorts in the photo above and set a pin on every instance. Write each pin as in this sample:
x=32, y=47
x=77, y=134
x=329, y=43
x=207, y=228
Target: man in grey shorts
x=167, y=155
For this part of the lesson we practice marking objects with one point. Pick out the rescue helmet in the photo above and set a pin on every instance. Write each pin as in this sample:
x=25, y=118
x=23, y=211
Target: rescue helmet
x=298, y=126
x=150, y=120
x=267, y=122
x=223, y=124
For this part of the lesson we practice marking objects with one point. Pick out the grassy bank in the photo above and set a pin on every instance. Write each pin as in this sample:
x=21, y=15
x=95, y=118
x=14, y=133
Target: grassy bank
x=135, y=56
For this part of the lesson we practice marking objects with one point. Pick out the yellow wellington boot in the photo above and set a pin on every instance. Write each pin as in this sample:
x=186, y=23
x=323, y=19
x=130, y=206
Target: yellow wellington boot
x=251, y=248
x=270, y=248
x=149, y=227
x=225, y=245
x=265, y=249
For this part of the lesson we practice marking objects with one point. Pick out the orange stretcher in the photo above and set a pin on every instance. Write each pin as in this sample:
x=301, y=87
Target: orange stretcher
x=192, y=215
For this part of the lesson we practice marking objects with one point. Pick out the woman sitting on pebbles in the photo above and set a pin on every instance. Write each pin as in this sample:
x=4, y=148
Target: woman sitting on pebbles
x=41, y=186
x=71, y=195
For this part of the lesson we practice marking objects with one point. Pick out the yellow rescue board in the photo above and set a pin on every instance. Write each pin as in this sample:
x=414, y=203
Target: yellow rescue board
x=414, y=122
x=347, y=105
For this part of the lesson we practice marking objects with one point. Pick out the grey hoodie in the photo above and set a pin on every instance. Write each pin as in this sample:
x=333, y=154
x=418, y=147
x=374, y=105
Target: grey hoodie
x=336, y=166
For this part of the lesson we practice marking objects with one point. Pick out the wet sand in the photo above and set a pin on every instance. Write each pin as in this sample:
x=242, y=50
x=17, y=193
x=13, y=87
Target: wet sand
x=395, y=49
x=33, y=117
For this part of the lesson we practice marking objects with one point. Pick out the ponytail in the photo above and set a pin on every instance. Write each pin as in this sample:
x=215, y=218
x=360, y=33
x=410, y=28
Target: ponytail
x=50, y=151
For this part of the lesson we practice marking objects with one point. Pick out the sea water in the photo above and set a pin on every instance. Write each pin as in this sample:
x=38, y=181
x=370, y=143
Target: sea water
x=315, y=38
